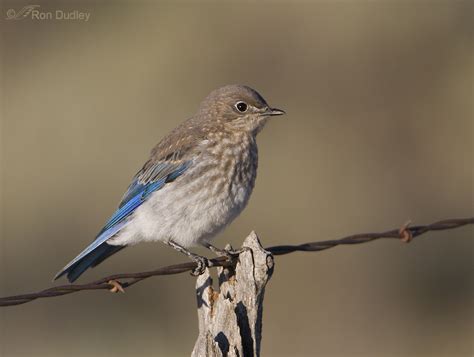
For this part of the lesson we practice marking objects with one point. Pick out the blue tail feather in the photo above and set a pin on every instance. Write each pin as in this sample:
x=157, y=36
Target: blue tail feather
x=137, y=193
x=95, y=257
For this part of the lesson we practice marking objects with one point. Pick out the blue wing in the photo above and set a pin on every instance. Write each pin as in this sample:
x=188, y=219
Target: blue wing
x=151, y=178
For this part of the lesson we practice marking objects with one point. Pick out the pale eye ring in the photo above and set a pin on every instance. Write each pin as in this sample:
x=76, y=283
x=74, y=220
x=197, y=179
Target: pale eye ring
x=241, y=106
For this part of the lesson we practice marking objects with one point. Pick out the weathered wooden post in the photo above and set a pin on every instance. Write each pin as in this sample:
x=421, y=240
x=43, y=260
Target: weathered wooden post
x=230, y=318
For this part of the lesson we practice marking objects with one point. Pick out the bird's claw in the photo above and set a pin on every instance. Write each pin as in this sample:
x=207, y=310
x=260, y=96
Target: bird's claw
x=202, y=264
x=228, y=251
x=231, y=253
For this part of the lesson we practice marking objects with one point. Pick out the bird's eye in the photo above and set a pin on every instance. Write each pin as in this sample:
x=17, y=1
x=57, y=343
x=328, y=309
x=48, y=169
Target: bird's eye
x=241, y=107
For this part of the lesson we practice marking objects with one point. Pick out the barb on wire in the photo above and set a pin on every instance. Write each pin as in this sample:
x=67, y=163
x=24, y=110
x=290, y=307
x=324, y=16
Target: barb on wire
x=405, y=233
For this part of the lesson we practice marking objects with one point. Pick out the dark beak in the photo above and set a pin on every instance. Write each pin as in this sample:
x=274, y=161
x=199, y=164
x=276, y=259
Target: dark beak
x=273, y=112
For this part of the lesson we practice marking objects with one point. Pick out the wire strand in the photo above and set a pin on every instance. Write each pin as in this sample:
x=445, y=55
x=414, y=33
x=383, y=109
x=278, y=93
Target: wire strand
x=406, y=233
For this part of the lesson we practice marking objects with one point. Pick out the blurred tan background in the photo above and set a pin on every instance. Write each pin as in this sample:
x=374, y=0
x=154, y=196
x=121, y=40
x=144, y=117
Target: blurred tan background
x=379, y=130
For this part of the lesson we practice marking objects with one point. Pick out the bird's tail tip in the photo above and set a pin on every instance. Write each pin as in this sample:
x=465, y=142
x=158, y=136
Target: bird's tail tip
x=76, y=268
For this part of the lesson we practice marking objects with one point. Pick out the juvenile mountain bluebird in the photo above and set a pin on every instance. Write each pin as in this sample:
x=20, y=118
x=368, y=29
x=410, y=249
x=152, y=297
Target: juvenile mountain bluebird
x=196, y=181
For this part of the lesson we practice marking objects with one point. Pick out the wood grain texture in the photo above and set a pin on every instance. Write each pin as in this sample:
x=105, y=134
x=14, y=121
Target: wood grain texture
x=230, y=317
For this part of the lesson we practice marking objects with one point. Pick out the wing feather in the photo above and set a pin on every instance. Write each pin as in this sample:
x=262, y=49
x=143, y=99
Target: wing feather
x=152, y=177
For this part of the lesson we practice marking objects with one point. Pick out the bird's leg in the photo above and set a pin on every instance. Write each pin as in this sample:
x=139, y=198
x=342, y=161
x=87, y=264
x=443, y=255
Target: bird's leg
x=202, y=262
x=226, y=252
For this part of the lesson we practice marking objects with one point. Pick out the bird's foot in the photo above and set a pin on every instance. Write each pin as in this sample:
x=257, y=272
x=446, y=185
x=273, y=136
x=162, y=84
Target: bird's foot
x=116, y=286
x=202, y=264
x=228, y=251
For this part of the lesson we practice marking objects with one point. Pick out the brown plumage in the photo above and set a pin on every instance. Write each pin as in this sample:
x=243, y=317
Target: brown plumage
x=196, y=181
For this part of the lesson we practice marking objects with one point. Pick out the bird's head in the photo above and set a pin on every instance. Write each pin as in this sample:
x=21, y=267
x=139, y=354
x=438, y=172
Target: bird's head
x=238, y=107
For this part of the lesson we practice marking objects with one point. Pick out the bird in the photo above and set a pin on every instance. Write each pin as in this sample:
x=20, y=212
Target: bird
x=197, y=180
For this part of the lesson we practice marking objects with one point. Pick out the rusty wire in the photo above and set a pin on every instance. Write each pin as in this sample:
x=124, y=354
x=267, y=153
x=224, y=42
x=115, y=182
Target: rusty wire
x=406, y=233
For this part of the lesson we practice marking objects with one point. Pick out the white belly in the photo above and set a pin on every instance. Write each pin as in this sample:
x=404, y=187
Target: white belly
x=190, y=210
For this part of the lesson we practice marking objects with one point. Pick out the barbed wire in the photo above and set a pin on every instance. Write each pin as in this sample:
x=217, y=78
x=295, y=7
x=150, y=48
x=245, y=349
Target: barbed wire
x=112, y=282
